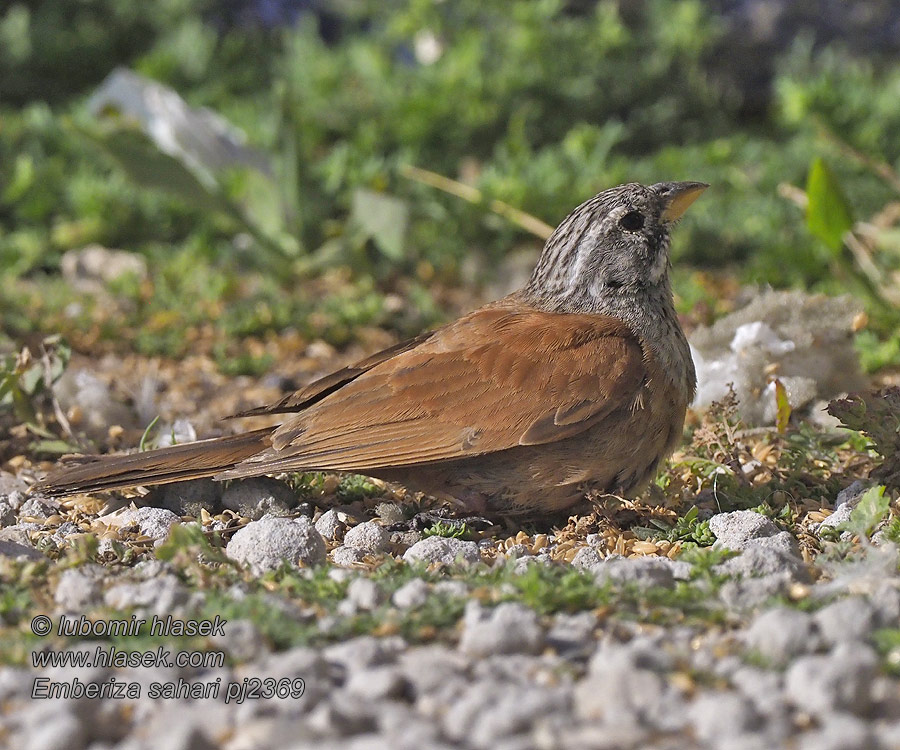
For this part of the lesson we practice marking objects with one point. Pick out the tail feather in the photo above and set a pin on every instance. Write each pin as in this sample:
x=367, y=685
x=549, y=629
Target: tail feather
x=203, y=458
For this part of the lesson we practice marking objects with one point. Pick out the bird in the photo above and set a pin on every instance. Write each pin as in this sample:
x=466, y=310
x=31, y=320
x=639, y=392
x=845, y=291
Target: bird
x=576, y=384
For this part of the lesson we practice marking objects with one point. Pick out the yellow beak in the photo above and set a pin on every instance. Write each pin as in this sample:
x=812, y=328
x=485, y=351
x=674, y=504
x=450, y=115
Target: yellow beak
x=678, y=196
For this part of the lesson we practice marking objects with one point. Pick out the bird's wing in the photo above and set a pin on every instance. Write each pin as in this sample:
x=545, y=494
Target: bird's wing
x=325, y=386
x=495, y=379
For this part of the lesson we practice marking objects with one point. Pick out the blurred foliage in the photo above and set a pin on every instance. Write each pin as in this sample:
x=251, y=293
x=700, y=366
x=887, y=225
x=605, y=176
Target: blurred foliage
x=538, y=104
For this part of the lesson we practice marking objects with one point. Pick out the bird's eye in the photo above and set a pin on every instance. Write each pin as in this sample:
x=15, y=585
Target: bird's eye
x=632, y=221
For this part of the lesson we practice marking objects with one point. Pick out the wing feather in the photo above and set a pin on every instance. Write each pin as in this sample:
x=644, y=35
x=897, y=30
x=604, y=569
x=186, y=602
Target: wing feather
x=496, y=379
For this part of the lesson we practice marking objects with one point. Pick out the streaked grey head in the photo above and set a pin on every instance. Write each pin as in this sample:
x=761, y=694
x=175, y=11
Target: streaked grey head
x=614, y=246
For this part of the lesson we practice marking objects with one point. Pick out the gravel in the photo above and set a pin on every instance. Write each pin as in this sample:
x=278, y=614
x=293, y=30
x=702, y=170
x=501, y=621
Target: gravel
x=259, y=496
x=266, y=544
x=368, y=537
x=446, y=550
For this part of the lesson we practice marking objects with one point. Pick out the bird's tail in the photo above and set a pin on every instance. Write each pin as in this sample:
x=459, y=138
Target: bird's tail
x=203, y=458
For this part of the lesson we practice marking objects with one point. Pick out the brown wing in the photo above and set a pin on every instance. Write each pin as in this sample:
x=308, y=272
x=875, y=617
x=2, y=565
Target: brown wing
x=493, y=380
x=325, y=386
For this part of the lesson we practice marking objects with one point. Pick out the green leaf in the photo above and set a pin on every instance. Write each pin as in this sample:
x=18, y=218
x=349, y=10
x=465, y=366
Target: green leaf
x=828, y=215
x=782, y=408
x=149, y=167
x=381, y=218
x=869, y=511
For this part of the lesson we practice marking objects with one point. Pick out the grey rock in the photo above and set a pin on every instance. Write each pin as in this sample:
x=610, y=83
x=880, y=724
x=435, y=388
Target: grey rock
x=642, y=571
x=516, y=710
x=187, y=498
x=16, y=551
x=839, y=731
x=850, y=494
x=405, y=539
x=508, y=628
x=446, y=550
x=152, y=522
x=163, y=595
x=490, y=710
x=364, y=652
x=734, y=529
x=848, y=619
x=37, y=507
x=411, y=594
x=451, y=589
x=265, y=544
x=347, y=556
x=840, y=517
x=757, y=560
x=888, y=734
x=241, y=639
x=60, y=730
x=743, y=593
x=587, y=558
x=330, y=526
x=838, y=681
x=764, y=687
x=390, y=513
x=368, y=537
x=7, y=512
x=722, y=714
x=79, y=589
x=365, y=594
x=182, y=733
x=377, y=683
x=572, y=633
x=430, y=669
x=259, y=496
x=780, y=634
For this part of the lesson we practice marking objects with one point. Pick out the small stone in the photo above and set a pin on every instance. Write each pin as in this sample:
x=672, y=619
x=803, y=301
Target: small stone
x=187, y=498
x=365, y=594
x=734, y=529
x=241, y=639
x=16, y=551
x=745, y=593
x=152, y=522
x=756, y=560
x=587, y=558
x=36, y=507
x=347, y=556
x=411, y=594
x=377, y=683
x=446, y=550
x=451, y=589
x=508, y=628
x=631, y=699
x=850, y=494
x=57, y=731
x=265, y=544
x=722, y=714
x=848, y=619
x=259, y=496
x=330, y=526
x=642, y=571
x=780, y=634
x=79, y=589
x=365, y=651
x=390, y=513
x=369, y=537
x=163, y=595
x=839, y=731
x=572, y=633
x=838, y=681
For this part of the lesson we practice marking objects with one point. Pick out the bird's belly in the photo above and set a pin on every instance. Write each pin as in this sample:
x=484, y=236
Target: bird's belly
x=618, y=455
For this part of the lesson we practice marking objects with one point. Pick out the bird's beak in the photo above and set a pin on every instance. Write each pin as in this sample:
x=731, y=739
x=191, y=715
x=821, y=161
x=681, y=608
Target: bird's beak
x=677, y=197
